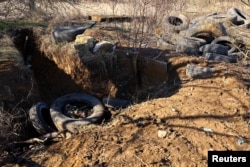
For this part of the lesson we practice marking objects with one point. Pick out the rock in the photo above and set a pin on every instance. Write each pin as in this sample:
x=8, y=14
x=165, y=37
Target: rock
x=84, y=44
x=240, y=141
x=194, y=71
x=162, y=133
x=207, y=130
x=85, y=40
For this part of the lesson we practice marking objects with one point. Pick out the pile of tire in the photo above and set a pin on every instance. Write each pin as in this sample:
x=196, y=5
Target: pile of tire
x=216, y=37
x=56, y=118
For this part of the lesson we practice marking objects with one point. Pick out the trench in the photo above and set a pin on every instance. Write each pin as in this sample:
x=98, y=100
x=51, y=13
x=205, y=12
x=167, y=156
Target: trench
x=123, y=83
x=51, y=81
x=153, y=79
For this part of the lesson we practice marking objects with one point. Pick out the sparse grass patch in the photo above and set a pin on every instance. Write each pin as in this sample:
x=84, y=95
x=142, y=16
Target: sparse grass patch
x=6, y=25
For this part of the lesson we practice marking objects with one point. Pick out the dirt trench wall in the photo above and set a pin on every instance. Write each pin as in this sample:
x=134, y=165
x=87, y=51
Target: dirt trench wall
x=90, y=76
x=105, y=74
x=17, y=84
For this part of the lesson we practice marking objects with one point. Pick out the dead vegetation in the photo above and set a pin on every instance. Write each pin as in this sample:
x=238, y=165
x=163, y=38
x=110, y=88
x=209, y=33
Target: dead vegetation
x=180, y=106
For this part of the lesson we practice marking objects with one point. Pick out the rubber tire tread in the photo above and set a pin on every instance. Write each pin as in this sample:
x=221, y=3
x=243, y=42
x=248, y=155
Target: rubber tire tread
x=62, y=122
x=37, y=119
x=190, y=45
x=183, y=26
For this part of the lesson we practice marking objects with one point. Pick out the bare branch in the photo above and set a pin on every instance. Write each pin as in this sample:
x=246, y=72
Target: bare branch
x=246, y=2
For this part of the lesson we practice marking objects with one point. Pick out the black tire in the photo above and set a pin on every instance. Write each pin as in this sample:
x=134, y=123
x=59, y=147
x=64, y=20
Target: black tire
x=246, y=24
x=220, y=58
x=190, y=45
x=68, y=33
x=39, y=115
x=240, y=16
x=178, y=22
x=215, y=48
x=214, y=29
x=227, y=41
x=223, y=40
x=63, y=122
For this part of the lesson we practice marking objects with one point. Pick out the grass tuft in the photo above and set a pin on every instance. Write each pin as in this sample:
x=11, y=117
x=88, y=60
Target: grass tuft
x=6, y=25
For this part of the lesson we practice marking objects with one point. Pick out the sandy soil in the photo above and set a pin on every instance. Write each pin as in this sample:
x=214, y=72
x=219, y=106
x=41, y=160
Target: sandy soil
x=195, y=116
x=130, y=138
x=185, y=112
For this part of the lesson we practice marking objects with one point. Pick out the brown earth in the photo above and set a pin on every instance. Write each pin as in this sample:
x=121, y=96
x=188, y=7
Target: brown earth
x=220, y=103
x=185, y=109
x=180, y=106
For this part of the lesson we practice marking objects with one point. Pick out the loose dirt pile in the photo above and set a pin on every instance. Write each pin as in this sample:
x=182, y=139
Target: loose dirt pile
x=174, y=120
x=219, y=104
x=185, y=109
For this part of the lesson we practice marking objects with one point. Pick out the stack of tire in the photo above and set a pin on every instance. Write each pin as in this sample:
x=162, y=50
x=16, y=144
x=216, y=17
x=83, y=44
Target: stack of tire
x=216, y=37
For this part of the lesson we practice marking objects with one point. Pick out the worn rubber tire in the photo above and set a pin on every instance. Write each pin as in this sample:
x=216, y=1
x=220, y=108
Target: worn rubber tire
x=214, y=48
x=62, y=122
x=177, y=23
x=227, y=41
x=237, y=55
x=214, y=29
x=246, y=24
x=40, y=118
x=240, y=16
x=214, y=18
x=190, y=45
x=224, y=40
x=68, y=33
x=220, y=58
x=198, y=19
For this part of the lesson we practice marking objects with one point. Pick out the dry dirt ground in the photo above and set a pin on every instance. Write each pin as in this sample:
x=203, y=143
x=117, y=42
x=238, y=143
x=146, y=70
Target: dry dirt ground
x=130, y=137
x=196, y=115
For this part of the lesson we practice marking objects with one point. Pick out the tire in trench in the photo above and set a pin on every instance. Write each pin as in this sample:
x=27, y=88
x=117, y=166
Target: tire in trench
x=73, y=125
x=40, y=118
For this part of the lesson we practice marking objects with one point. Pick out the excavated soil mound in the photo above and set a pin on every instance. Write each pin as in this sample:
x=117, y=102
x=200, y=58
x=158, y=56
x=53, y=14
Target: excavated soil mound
x=175, y=119
x=201, y=115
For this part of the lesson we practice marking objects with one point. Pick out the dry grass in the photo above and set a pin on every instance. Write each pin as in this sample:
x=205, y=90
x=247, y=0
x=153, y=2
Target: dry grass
x=13, y=125
x=140, y=31
x=17, y=91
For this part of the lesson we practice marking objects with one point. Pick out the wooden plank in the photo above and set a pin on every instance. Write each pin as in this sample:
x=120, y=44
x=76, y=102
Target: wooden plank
x=109, y=18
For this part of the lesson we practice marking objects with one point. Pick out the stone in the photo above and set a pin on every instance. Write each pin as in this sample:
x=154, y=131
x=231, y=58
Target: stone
x=162, y=133
x=194, y=71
